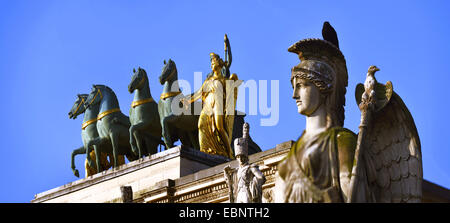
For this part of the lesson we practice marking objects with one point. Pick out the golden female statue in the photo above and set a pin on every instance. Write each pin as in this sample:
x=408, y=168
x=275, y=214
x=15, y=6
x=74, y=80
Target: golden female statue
x=329, y=163
x=216, y=119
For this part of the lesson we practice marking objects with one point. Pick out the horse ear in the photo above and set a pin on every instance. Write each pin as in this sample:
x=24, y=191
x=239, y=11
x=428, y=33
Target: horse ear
x=164, y=61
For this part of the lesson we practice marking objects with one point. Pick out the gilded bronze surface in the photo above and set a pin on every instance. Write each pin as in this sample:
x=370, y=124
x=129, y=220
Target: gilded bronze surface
x=217, y=116
x=107, y=112
x=140, y=102
x=87, y=123
x=169, y=94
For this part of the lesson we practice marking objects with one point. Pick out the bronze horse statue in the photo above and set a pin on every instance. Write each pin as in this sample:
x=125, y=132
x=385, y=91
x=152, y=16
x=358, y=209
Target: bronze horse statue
x=88, y=132
x=145, y=130
x=175, y=127
x=112, y=125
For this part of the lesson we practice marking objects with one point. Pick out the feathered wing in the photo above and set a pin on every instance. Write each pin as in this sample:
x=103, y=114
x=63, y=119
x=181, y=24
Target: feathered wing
x=392, y=160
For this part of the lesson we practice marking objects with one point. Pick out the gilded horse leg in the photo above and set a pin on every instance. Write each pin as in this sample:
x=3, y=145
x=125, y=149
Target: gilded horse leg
x=90, y=170
x=92, y=144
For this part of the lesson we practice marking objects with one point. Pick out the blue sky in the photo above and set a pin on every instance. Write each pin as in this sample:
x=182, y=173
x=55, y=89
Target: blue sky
x=52, y=50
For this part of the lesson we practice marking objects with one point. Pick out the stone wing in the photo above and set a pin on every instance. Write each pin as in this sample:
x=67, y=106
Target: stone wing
x=392, y=160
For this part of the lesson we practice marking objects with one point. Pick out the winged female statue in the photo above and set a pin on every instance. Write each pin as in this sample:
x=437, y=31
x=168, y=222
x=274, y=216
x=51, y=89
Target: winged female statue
x=329, y=163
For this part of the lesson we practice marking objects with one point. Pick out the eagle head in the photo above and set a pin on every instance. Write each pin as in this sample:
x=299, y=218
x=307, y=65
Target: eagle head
x=372, y=70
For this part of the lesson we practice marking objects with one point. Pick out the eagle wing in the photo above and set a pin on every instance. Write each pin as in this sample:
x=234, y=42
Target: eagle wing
x=391, y=153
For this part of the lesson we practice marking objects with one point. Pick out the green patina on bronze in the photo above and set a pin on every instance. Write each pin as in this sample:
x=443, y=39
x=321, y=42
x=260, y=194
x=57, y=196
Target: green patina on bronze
x=88, y=133
x=145, y=129
x=178, y=125
x=112, y=126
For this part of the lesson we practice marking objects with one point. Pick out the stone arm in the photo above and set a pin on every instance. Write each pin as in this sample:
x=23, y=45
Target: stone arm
x=227, y=171
x=346, y=152
x=258, y=174
x=256, y=184
x=228, y=175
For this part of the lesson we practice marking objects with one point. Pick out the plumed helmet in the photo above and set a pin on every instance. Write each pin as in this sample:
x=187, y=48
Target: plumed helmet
x=323, y=63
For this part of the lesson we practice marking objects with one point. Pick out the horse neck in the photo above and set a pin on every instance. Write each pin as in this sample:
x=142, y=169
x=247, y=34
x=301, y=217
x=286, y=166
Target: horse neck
x=109, y=101
x=144, y=92
x=91, y=113
x=171, y=85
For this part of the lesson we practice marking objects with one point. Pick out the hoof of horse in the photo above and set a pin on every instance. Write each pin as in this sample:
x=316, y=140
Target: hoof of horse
x=76, y=173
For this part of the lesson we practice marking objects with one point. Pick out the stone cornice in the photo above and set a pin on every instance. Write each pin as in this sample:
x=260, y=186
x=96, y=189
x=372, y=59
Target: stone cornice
x=209, y=186
x=187, y=153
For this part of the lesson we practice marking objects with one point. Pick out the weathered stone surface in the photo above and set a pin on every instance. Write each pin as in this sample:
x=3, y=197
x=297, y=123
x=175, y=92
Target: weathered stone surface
x=160, y=179
x=141, y=175
x=127, y=194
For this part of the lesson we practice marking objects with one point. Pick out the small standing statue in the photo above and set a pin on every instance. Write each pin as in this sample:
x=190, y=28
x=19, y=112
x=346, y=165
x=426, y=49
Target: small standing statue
x=329, y=163
x=245, y=184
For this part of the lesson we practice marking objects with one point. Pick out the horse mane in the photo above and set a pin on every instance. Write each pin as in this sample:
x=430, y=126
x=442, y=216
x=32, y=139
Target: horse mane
x=83, y=95
x=104, y=87
x=172, y=68
x=143, y=70
x=107, y=88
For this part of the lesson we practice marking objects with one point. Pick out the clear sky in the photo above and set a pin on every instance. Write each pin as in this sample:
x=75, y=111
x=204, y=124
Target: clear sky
x=52, y=50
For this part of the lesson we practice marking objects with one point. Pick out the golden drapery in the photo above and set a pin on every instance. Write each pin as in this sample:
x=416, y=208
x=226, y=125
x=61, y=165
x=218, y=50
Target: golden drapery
x=217, y=116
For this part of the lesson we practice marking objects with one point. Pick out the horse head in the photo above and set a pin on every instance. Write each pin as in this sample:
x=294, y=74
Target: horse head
x=169, y=72
x=78, y=107
x=138, y=80
x=94, y=98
